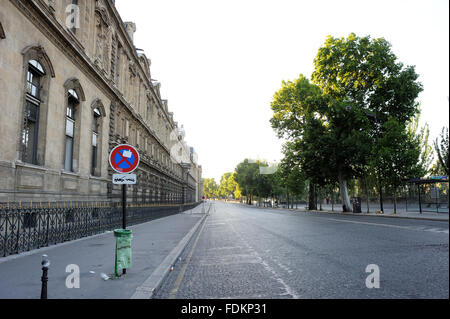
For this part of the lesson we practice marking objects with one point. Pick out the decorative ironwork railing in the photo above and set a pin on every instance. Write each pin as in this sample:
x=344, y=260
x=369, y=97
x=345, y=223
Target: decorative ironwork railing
x=24, y=227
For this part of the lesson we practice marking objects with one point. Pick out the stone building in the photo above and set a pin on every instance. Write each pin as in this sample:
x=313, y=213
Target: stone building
x=72, y=87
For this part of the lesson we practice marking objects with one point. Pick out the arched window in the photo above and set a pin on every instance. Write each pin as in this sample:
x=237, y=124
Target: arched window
x=98, y=112
x=30, y=132
x=37, y=71
x=95, y=139
x=74, y=96
x=72, y=103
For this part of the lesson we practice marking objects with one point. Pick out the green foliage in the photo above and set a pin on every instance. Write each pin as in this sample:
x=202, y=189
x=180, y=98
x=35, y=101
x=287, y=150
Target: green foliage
x=397, y=154
x=365, y=73
x=210, y=188
x=246, y=177
x=253, y=181
x=229, y=188
x=420, y=137
x=352, y=120
x=441, y=148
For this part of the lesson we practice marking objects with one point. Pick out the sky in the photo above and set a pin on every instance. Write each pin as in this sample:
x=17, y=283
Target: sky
x=221, y=61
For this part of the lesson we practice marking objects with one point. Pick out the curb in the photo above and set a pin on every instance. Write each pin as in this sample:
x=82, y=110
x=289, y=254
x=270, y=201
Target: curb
x=379, y=215
x=350, y=214
x=154, y=281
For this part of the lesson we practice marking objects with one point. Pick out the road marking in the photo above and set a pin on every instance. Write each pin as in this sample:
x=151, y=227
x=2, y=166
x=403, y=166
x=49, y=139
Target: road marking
x=434, y=230
x=289, y=290
x=180, y=277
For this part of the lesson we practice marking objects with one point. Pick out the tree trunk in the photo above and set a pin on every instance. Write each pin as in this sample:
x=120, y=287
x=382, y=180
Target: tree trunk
x=312, y=198
x=367, y=195
x=320, y=199
x=287, y=194
x=395, y=200
x=332, y=200
x=344, y=194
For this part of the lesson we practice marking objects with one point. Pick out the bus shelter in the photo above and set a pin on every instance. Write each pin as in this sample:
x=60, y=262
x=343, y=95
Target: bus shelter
x=434, y=191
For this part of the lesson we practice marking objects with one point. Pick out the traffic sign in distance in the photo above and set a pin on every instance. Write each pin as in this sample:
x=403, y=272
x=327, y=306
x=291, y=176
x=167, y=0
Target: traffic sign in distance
x=124, y=159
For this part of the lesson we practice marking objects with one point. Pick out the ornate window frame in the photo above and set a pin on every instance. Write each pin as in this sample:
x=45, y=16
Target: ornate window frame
x=75, y=85
x=97, y=104
x=36, y=52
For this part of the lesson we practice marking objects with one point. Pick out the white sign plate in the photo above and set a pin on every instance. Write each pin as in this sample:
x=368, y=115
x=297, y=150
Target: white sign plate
x=124, y=179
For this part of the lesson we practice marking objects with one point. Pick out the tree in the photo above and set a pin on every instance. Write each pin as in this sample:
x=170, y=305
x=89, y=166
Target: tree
x=441, y=148
x=398, y=155
x=421, y=137
x=362, y=76
x=330, y=140
x=294, y=108
x=223, y=186
x=293, y=176
x=210, y=187
x=228, y=186
x=246, y=177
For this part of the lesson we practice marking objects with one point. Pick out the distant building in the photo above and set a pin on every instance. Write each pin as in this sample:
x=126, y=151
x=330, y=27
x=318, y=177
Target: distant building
x=72, y=87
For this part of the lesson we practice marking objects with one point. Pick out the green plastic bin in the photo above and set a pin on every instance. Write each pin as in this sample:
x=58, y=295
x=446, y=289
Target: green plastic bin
x=123, y=249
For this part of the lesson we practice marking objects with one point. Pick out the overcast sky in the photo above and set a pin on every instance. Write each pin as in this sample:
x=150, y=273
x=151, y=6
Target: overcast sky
x=220, y=62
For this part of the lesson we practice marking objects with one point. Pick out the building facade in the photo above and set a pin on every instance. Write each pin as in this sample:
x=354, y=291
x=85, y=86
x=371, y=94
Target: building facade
x=72, y=87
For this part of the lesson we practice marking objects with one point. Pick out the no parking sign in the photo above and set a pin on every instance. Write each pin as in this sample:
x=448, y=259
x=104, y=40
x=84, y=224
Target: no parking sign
x=124, y=159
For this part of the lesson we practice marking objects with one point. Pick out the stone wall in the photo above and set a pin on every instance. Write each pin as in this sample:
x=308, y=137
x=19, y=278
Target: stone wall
x=98, y=60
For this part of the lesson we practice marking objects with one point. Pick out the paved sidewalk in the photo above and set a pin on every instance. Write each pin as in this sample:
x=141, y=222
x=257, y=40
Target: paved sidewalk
x=388, y=213
x=20, y=275
x=400, y=214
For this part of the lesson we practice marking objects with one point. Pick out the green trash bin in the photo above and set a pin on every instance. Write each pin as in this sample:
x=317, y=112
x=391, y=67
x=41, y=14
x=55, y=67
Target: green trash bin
x=123, y=249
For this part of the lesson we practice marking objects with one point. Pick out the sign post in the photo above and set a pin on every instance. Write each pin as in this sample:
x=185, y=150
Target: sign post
x=124, y=159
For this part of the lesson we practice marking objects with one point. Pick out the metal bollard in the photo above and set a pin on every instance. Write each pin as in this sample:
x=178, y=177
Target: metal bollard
x=45, y=265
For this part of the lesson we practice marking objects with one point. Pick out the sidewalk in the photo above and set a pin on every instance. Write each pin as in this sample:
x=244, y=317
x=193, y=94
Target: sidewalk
x=153, y=243
x=388, y=213
x=400, y=214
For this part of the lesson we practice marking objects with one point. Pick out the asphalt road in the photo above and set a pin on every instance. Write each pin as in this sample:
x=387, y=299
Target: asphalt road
x=246, y=252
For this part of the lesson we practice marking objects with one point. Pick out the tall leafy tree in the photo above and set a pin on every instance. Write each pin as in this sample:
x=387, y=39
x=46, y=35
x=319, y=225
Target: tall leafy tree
x=210, y=188
x=361, y=76
x=398, y=155
x=441, y=148
x=421, y=136
x=228, y=186
x=246, y=176
x=295, y=107
x=330, y=140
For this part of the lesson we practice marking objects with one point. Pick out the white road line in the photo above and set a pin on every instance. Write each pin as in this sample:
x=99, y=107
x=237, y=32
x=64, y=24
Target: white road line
x=289, y=291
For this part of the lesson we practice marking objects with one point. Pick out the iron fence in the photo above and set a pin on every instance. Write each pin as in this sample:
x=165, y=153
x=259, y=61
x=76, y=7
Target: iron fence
x=24, y=228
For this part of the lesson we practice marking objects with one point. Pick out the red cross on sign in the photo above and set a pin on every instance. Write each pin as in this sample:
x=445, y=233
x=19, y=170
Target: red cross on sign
x=124, y=159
